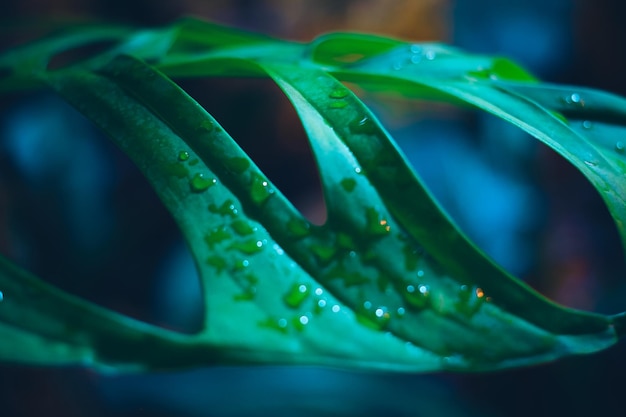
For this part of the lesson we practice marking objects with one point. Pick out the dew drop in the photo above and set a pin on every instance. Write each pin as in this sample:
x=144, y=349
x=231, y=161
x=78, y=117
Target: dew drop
x=430, y=55
x=362, y=125
x=260, y=190
x=575, y=99
x=241, y=265
x=237, y=164
x=226, y=209
x=297, y=294
x=217, y=235
x=470, y=300
x=591, y=164
x=357, y=170
x=338, y=93
x=335, y=308
x=247, y=295
x=416, y=49
x=217, y=262
x=348, y=184
x=183, y=155
x=619, y=147
x=282, y=323
x=304, y=320
x=321, y=303
x=319, y=291
x=298, y=227
x=367, y=305
x=199, y=183
x=248, y=247
x=323, y=253
x=242, y=227
x=417, y=297
x=376, y=225
x=397, y=66
x=278, y=249
x=1, y=296
x=587, y=124
x=206, y=126
x=401, y=311
x=338, y=104
x=416, y=59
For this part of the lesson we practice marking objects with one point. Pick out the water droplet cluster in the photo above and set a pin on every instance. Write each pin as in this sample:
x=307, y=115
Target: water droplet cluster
x=337, y=97
x=415, y=55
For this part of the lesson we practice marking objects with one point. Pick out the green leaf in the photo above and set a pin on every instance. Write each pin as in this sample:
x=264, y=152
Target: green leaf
x=388, y=282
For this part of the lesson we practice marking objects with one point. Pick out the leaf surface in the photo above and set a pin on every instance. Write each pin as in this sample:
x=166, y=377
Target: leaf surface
x=388, y=282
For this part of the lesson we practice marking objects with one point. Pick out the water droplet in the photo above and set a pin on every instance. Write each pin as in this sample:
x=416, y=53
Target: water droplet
x=591, y=164
x=574, y=99
x=248, y=247
x=348, y=184
x=430, y=55
x=336, y=308
x=247, y=295
x=362, y=125
x=417, y=297
x=340, y=104
x=241, y=265
x=298, y=227
x=469, y=300
x=303, y=320
x=1, y=296
x=323, y=253
x=226, y=209
x=587, y=124
x=206, y=126
x=367, y=305
x=416, y=59
x=401, y=311
x=271, y=323
x=619, y=147
x=376, y=225
x=339, y=93
x=216, y=262
x=374, y=318
x=242, y=228
x=416, y=49
x=260, y=189
x=199, y=183
x=420, y=273
x=278, y=249
x=237, y=164
x=297, y=294
x=319, y=291
x=321, y=303
x=183, y=155
x=357, y=170
x=217, y=235
x=397, y=66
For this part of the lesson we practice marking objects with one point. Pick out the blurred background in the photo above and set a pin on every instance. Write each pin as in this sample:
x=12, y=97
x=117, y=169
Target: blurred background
x=74, y=210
